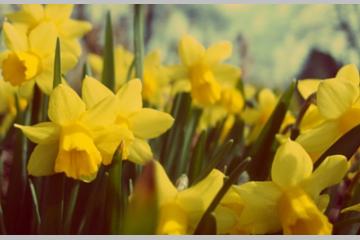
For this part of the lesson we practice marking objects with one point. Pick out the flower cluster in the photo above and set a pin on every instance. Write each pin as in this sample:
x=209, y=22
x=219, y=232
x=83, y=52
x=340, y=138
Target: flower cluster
x=186, y=148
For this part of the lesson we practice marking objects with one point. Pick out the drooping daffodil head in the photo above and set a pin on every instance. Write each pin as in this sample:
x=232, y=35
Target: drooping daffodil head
x=338, y=104
x=293, y=199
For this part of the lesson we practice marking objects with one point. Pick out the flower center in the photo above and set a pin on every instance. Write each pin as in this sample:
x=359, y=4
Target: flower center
x=19, y=67
x=299, y=214
x=78, y=156
x=204, y=87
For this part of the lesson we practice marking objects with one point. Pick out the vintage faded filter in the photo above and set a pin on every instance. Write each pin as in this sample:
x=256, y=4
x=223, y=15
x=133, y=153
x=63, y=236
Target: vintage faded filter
x=101, y=134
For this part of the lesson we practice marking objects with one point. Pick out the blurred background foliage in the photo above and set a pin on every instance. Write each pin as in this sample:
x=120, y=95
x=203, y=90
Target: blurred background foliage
x=273, y=44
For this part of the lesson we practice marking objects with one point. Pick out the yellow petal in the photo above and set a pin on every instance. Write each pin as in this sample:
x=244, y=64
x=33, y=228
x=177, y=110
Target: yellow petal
x=228, y=75
x=15, y=40
x=29, y=13
x=190, y=50
x=165, y=189
x=196, y=199
x=108, y=139
x=349, y=73
x=45, y=81
x=42, y=39
x=152, y=58
x=317, y=140
x=96, y=63
x=218, y=52
x=355, y=207
x=65, y=105
x=74, y=28
x=129, y=97
x=259, y=215
x=307, y=87
x=93, y=91
x=101, y=114
x=58, y=12
x=335, y=97
x=149, y=123
x=68, y=61
x=330, y=172
x=46, y=132
x=311, y=119
x=140, y=151
x=42, y=160
x=267, y=100
x=291, y=164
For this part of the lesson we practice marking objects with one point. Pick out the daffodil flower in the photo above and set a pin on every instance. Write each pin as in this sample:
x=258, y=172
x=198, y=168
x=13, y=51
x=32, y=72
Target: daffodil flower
x=156, y=88
x=202, y=71
x=338, y=104
x=257, y=117
x=181, y=211
x=141, y=123
x=30, y=59
x=79, y=137
x=69, y=30
x=292, y=201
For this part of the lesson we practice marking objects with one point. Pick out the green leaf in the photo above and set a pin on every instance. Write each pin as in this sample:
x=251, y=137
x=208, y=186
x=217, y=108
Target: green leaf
x=347, y=145
x=139, y=40
x=57, y=64
x=218, y=159
x=35, y=204
x=114, y=198
x=262, y=151
x=228, y=182
x=86, y=71
x=68, y=216
x=52, y=206
x=197, y=158
x=108, y=74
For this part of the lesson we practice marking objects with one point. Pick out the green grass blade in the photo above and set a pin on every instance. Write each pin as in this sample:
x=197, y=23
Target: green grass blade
x=57, y=64
x=139, y=40
x=108, y=74
x=263, y=150
x=35, y=204
x=71, y=207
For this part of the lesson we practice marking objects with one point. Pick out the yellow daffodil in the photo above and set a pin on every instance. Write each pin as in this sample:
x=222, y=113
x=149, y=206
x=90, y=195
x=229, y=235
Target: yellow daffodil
x=156, y=88
x=30, y=59
x=141, y=123
x=257, y=117
x=181, y=211
x=202, y=71
x=30, y=16
x=292, y=201
x=80, y=136
x=338, y=104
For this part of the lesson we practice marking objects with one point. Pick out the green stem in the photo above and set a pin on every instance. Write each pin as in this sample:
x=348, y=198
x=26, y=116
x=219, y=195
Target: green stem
x=71, y=207
x=139, y=39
